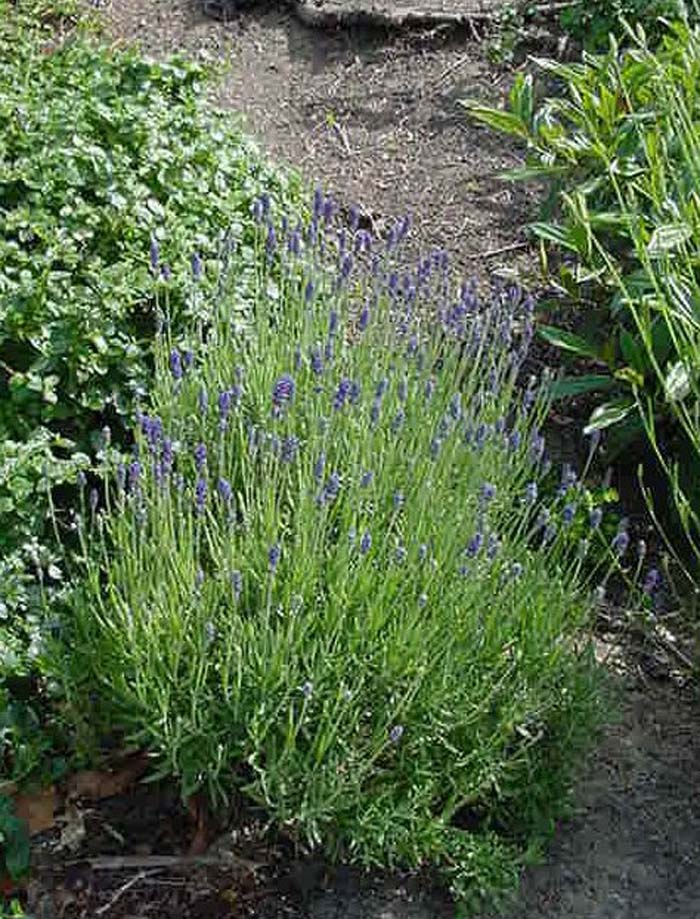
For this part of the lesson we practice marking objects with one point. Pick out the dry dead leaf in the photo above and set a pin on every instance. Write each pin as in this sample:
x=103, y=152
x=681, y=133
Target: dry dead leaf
x=96, y=784
x=37, y=810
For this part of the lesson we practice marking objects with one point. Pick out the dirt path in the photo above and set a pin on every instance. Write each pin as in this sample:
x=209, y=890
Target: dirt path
x=373, y=118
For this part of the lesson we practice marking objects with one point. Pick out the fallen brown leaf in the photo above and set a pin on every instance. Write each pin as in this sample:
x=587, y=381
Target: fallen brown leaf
x=96, y=784
x=37, y=810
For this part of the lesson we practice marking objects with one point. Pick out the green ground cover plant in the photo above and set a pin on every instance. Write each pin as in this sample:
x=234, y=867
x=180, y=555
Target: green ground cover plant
x=617, y=152
x=326, y=579
x=104, y=157
x=591, y=22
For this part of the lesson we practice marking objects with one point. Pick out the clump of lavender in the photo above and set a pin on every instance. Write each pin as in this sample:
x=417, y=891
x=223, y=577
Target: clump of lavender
x=365, y=494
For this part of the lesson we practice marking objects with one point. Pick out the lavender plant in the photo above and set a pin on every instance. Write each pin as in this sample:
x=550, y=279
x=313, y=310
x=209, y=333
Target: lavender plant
x=326, y=579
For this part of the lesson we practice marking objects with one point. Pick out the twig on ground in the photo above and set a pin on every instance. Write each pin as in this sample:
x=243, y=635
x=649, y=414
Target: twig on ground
x=123, y=889
x=501, y=250
x=147, y=862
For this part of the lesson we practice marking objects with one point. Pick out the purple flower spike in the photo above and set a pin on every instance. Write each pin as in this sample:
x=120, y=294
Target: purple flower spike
x=342, y=393
x=236, y=585
x=316, y=361
x=176, y=364
x=396, y=733
x=273, y=556
x=196, y=266
x=203, y=401
x=366, y=542
x=200, y=495
x=289, y=449
x=474, y=545
x=283, y=391
x=651, y=582
x=271, y=241
x=187, y=359
x=200, y=456
x=319, y=466
x=595, y=518
x=333, y=322
x=488, y=492
x=225, y=490
x=531, y=492
x=154, y=254
x=134, y=475
x=309, y=291
x=568, y=514
x=256, y=210
x=621, y=542
x=366, y=479
x=364, y=318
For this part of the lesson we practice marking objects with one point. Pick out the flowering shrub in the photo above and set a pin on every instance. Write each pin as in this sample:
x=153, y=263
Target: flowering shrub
x=326, y=579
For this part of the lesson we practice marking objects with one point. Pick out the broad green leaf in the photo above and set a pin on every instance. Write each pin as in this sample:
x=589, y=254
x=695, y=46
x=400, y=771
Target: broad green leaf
x=506, y=122
x=577, y=386
x=568, y=341
x=608, y=414
x=554, y=234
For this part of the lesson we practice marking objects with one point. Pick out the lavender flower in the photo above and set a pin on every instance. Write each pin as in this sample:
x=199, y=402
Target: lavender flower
x=366, y=542
x=203, y=401
x=196, y=266
x=531, y=492
x=568, y=514
x=271, y=241
x=134, y=475
x=397, y=421
x=283, y=391
x=200, y=495
x=225, y=490
x=651, y=582
x=309, y=291
x=121, y=476
x=595, y=518
x=514, y=441
x=187, y=359
x=355, y=392
x=333, y=322
x=224, y=400
x=342, y=393
x=382, y=387
x=316, y=361
x=375, y=411
x=200, y=456
x=396, y=733
x=488, y=492
x=236, y=585
x=330, y=489
x=366, y=479
x=621, y=542
x=289, y=449
x=474, y=545
x=364, y=318
x=456, y=406
x=176, y=364
x=154, y=254
x=516, y=570
x=400, y=555
x=273, y=556
x=493, y=546
x=319, y=466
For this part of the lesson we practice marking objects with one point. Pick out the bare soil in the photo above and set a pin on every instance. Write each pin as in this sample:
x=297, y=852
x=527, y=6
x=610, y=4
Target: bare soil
x=372, y=116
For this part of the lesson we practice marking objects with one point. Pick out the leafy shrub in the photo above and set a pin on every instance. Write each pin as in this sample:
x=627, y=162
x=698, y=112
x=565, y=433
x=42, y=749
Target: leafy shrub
x=103, y=156
x=590, y=22
x=325, y=578
x=605, y=141
x=618, y=152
